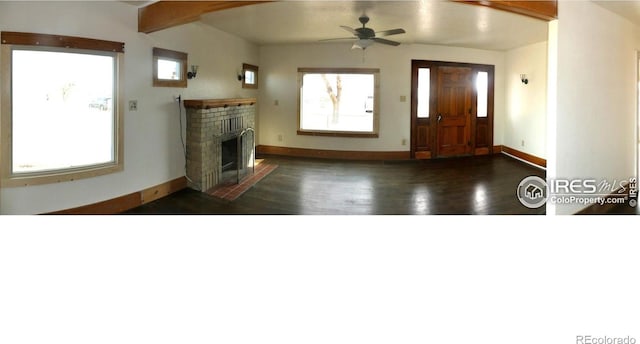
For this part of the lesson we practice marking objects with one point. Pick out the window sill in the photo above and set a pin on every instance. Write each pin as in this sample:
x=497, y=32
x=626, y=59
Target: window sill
x=338, y=134
x=51, y=177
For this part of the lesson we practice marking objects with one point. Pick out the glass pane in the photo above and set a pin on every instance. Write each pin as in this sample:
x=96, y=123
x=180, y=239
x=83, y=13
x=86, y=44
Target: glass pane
x=424, y=89
x=482, y=87
x=249, y=77
x=63, y=110
x=169, y=69
x=337, y=102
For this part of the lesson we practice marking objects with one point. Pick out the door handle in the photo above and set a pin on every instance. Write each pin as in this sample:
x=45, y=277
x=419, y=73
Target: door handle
x=439, y=117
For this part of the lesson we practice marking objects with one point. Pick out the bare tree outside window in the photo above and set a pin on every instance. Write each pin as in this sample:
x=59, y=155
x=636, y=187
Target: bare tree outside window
x=335, y=96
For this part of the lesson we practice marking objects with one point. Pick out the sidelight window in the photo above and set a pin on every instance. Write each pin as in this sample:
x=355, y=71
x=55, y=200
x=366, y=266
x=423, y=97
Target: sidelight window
x=482, y=89
x=424, y=92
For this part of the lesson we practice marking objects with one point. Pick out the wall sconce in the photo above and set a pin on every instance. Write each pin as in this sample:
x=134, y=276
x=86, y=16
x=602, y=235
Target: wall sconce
x=193, y=72
x=523, y=78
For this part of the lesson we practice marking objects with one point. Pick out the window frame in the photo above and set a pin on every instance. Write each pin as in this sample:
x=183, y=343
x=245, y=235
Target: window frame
x=376, y=102
x=248, y=67
x=45, y=42
x=170, y=55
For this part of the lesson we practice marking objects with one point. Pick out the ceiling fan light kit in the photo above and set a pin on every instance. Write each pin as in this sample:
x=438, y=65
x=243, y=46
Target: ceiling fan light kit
x=362, y=44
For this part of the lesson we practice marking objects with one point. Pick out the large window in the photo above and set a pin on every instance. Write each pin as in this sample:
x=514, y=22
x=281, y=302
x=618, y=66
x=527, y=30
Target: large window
x=61, y=120
x=339, y=102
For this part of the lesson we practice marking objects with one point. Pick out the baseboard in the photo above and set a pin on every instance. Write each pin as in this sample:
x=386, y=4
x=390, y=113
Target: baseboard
x=526, y=157
x=332, y=154
x=597, y=209
x=123, y=203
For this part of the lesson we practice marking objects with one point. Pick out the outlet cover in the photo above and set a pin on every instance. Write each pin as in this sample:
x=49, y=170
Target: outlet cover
x=133, y=105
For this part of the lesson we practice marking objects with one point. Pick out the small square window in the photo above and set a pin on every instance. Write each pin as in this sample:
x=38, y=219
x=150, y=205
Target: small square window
x=249, y=76
x=169, y=68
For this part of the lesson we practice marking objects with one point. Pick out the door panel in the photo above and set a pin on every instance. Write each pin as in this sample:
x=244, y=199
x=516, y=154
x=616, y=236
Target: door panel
x=454, y=108
x=423, y=140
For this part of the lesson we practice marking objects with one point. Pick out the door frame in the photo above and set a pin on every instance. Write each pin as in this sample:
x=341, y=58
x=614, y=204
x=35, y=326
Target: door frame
x=481, y=128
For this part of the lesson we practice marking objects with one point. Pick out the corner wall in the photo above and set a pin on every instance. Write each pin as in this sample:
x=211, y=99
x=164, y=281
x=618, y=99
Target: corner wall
x=594, y=123
x=526, y=109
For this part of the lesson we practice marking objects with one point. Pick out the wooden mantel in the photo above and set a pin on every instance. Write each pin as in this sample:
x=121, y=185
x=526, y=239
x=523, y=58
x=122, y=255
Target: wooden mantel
x=216, y=103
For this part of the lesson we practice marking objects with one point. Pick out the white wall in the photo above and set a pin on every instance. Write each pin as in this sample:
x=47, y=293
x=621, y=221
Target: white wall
x=153, y=148
x=526, y=109
x=595, y=112
x=278, y=73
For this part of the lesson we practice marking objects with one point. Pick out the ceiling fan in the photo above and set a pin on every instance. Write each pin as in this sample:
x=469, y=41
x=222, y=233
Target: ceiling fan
x=365, y=36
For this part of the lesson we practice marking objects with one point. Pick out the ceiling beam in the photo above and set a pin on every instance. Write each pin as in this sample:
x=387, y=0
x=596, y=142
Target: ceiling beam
x=545, y=10
x=165, y=14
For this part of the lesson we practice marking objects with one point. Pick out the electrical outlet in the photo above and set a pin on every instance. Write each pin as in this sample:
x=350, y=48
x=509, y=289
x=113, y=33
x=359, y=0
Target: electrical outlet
x=404, y=142
x=280, y=137
x=403, y=99
x=133, y=105
x=522, y=143
x=276, y=102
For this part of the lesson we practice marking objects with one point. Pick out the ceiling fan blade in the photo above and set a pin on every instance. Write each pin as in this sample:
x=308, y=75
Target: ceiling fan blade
x=353, y=31
x=390, y=32
x=386, y=41
x=338, y=39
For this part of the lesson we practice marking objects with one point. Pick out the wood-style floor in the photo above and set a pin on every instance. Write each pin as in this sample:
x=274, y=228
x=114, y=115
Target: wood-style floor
x=300, y=186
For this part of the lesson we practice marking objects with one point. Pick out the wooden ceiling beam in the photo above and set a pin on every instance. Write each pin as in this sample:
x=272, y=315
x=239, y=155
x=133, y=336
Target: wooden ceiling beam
x=545, y=10
x=165, y=14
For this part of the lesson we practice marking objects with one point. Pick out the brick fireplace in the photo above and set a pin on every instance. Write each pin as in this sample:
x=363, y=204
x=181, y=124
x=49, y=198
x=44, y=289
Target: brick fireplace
x=214, y=128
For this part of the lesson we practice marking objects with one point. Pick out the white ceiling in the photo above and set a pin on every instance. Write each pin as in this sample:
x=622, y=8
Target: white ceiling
x=629, y=9
x=439, y=22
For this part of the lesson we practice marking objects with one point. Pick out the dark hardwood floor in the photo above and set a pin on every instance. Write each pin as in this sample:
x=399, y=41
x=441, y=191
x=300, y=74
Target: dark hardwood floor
x=299, y=186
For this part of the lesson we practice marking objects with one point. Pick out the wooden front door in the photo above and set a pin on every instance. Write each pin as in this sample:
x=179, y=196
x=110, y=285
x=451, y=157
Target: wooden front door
x=454, y=110
x=451, y=109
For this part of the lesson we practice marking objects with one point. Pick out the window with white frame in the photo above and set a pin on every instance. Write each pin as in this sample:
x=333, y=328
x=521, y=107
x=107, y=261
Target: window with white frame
x=61, y=120
x=339, y=102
